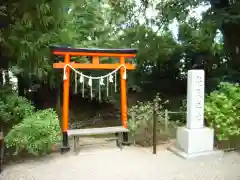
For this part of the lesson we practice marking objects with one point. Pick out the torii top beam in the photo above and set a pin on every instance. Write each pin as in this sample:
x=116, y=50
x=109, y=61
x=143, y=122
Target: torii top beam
x=95, y=53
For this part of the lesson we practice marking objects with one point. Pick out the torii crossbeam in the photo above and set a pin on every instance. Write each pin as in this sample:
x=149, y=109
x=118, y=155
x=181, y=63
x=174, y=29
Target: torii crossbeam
x=68, y=52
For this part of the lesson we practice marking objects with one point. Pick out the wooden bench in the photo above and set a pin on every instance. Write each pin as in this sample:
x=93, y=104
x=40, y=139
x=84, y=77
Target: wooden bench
x=118, y=130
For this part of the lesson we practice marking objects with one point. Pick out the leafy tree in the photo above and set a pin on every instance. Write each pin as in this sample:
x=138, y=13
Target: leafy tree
x=222, y=15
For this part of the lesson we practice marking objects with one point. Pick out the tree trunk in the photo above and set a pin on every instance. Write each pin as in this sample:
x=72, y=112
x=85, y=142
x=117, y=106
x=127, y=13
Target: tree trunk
x=232, y=43
x=230, y=30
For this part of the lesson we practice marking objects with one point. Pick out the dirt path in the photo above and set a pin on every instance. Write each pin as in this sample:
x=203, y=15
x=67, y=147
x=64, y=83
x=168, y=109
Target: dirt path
x=132, y=163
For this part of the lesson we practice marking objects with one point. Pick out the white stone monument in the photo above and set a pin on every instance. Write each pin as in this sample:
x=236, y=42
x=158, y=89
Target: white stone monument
x=194, y=139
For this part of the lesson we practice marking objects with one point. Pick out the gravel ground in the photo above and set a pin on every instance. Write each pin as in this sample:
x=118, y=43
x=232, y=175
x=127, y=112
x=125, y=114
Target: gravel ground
x=132, y=163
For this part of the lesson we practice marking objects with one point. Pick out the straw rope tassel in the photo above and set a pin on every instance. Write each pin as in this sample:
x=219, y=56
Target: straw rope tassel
x=90, y=84
x=125, y=74
x=107, y=86
x=64, y=74
x=76, y=84
x=81, y=80
x=115, y=82
x=111, y=78
x=99, y=91
x=83, y=90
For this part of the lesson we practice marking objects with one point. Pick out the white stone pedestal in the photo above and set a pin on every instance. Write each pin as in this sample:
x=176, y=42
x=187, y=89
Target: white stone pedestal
x=194, y=142
x=195, y=139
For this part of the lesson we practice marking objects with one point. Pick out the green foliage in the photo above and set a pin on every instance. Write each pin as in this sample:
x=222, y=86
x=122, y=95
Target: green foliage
x=222, y=110
x=107, y=24
x=141, y=121
x=36, y=133
x=30, y=30
x=14, y=108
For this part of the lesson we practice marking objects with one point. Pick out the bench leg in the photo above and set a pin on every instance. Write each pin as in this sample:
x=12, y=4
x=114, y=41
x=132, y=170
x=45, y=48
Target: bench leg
x=126, y=139
x=75, y=143
x=120, y=140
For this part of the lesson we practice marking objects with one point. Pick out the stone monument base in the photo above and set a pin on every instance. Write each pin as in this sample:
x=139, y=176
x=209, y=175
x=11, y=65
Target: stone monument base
x=194, y=142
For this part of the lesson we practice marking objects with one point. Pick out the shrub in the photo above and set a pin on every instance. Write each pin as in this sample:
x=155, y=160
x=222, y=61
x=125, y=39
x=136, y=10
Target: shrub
x=36, y=133
x=141, y=121
x=222, y=111
x=14, y=108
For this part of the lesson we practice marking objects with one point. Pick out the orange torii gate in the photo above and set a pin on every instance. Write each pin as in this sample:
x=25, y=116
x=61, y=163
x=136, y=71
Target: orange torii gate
x=68, y=52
